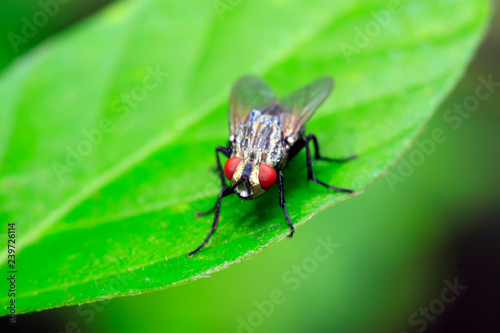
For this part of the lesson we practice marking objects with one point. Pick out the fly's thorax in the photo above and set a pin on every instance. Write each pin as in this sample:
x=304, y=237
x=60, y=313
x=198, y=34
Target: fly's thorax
x=247, y=171
x=260, y=138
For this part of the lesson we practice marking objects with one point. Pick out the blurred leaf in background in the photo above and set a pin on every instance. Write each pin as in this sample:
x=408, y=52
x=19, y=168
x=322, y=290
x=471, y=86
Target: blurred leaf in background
x=25, y=23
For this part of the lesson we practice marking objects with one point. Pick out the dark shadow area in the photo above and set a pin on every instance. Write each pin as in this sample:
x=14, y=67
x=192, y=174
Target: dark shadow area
x=475, y=251
x=60, y=320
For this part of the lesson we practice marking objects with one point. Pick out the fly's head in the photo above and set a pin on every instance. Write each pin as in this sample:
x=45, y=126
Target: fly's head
x=254, y=177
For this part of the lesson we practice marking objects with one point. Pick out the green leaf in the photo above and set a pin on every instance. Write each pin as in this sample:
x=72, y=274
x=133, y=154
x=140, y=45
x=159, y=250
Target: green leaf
x=118, y=219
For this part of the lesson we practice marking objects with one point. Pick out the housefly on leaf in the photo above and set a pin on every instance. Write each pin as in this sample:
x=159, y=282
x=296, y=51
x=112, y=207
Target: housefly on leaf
x=265, y=134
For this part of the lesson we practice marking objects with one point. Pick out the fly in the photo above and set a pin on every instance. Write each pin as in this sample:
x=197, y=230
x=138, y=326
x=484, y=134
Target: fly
x=265, y=134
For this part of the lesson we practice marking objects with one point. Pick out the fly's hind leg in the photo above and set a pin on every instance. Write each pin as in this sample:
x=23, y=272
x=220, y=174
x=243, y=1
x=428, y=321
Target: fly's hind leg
x=318, y=156
x=310, y=171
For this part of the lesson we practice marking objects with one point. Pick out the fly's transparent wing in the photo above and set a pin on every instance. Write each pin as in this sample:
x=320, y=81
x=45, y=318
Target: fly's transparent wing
x=249, y=93
x=299, y=106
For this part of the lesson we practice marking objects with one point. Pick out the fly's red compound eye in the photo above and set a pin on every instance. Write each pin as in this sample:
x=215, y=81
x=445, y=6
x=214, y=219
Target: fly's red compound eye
x=267, y=176
x=231, y=166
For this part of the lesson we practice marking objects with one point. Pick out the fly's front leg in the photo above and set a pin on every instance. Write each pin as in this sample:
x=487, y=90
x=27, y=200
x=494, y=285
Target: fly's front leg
x=227, y=152
x=310, y=171
x=224, y=193
x=283, y=203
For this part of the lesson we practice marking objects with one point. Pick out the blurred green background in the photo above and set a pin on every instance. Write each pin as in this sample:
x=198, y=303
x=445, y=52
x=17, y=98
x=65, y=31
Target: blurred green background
x=397, y=243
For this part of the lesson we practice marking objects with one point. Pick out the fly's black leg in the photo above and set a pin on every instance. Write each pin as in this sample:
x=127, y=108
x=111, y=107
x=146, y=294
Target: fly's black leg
x=318, y=156
x=227, y=152
x=310, y=173
x=207, y=212
x=224, y=193
x=283, y=203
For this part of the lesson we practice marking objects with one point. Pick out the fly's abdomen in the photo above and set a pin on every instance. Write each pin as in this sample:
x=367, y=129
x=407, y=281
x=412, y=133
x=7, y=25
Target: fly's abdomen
x=260, y=138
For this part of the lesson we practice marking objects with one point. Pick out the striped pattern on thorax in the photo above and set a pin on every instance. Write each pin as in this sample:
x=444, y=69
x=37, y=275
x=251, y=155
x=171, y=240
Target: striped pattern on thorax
x=260, y=138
